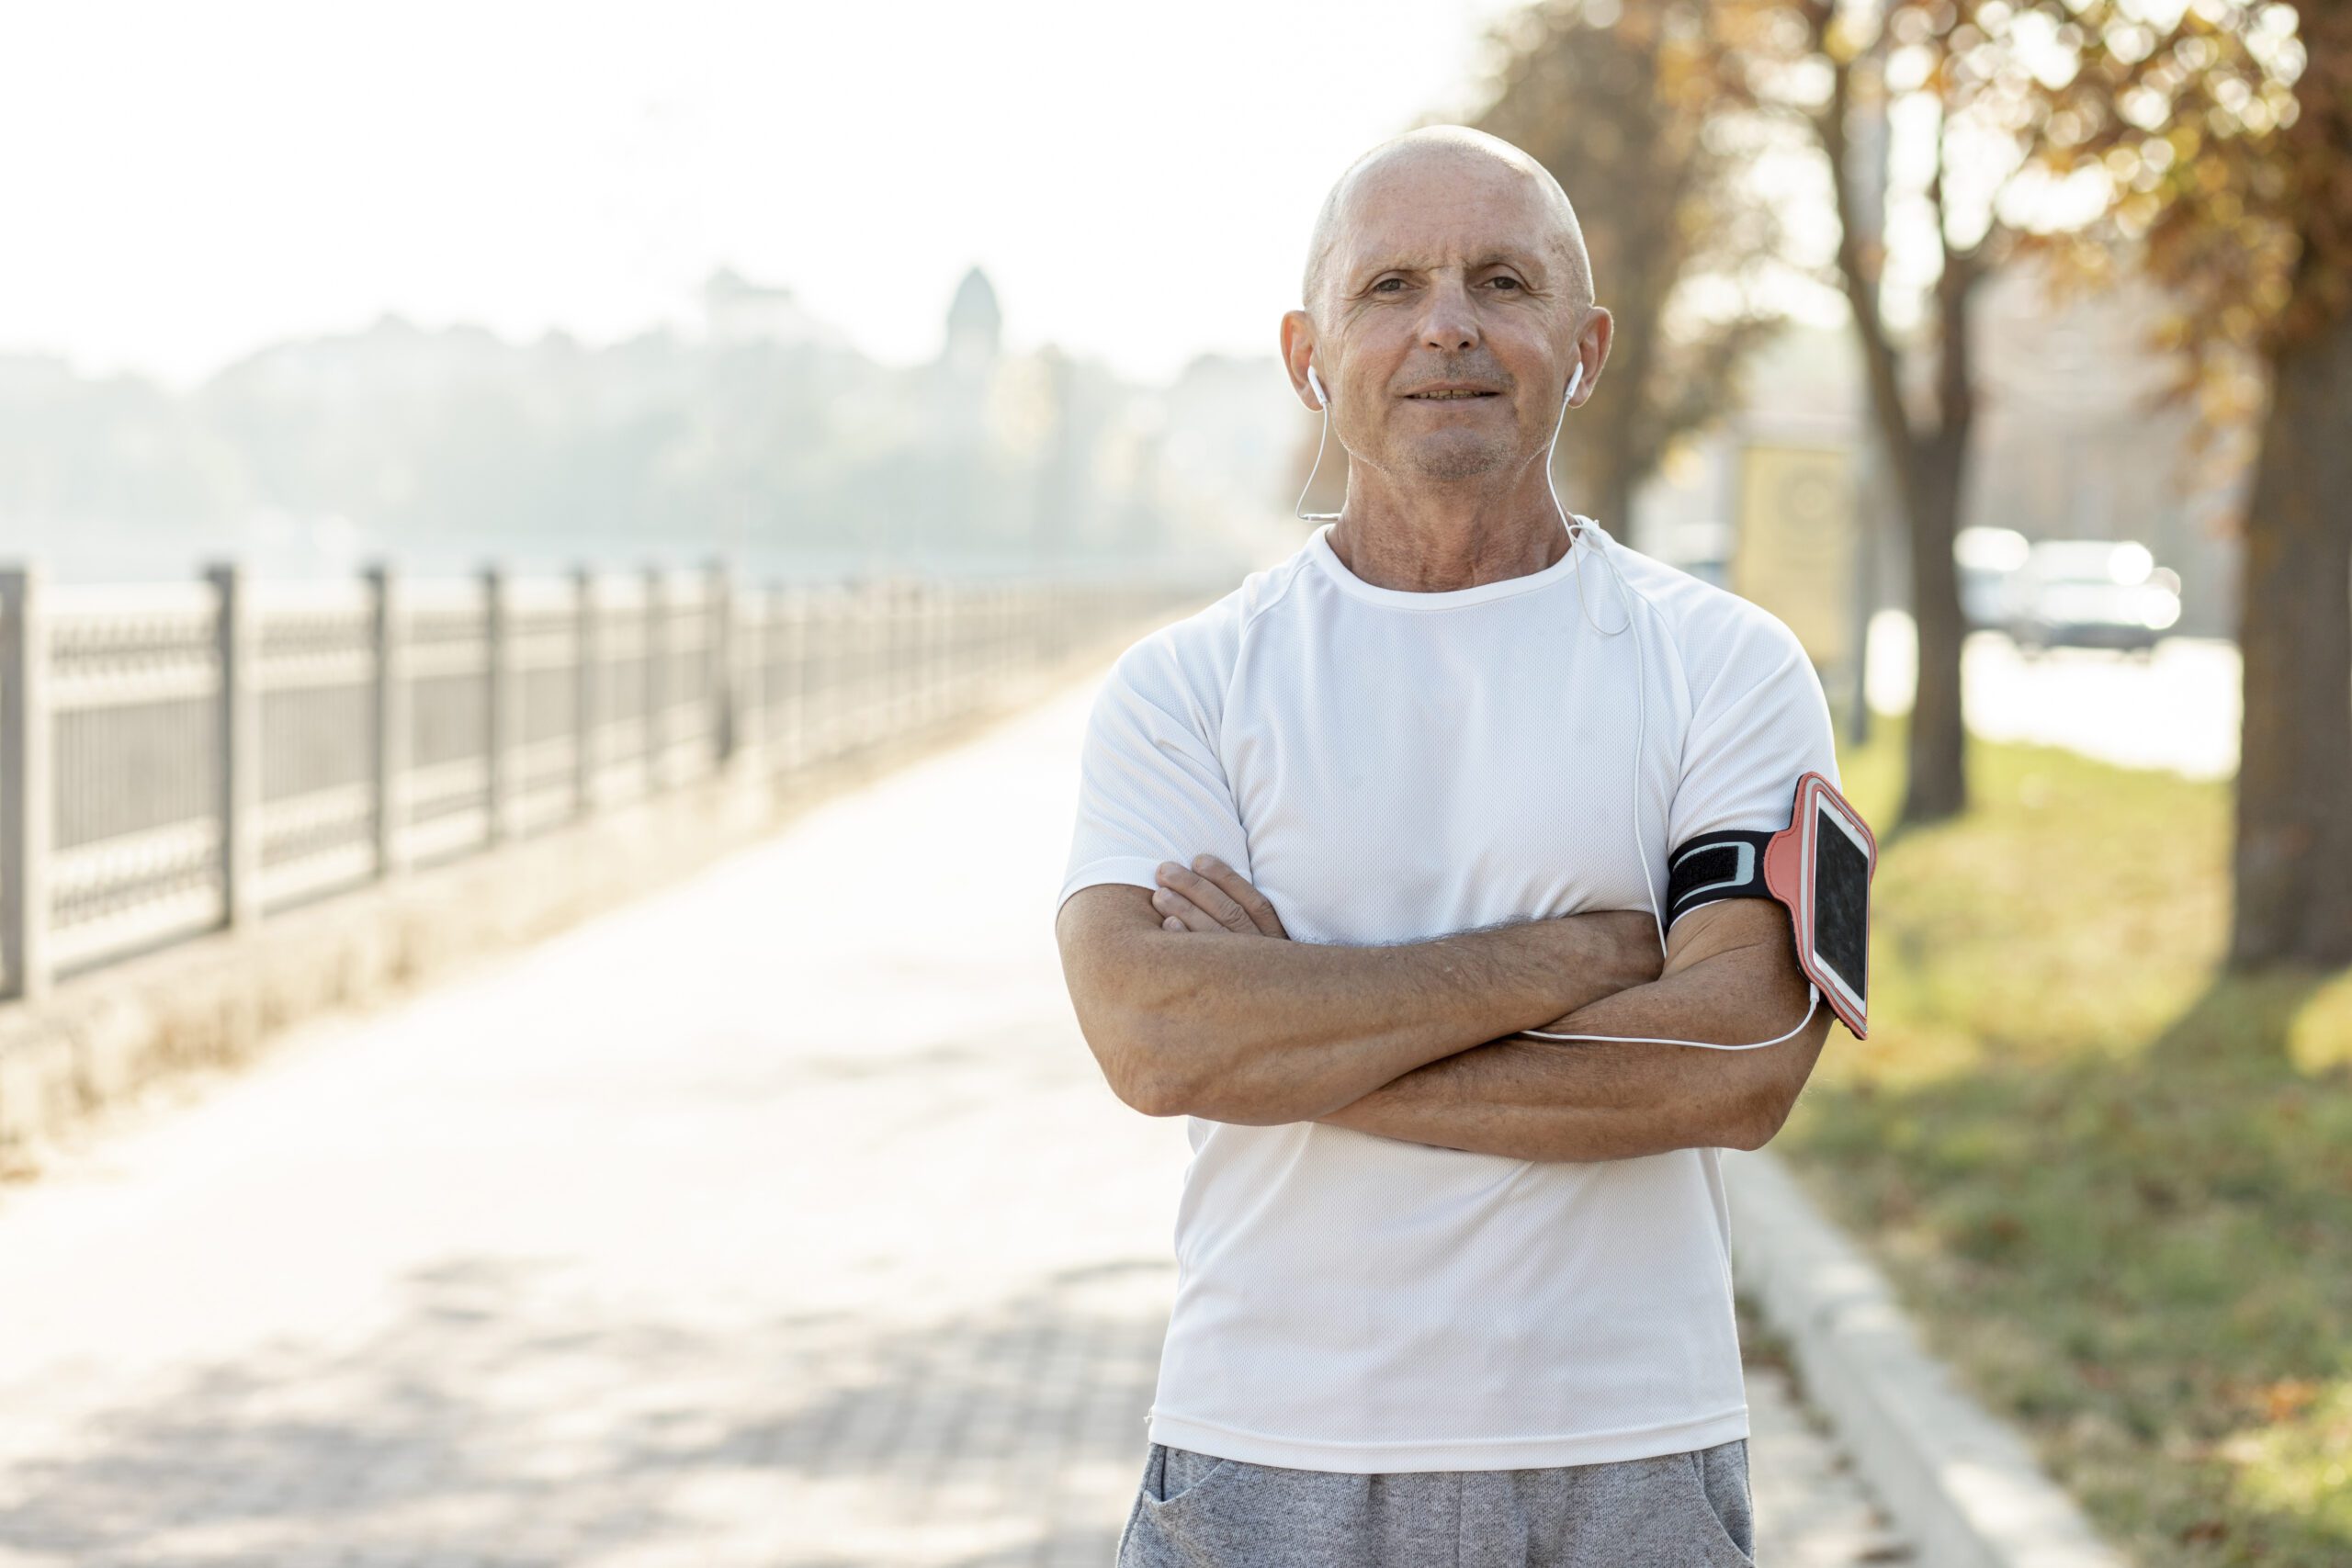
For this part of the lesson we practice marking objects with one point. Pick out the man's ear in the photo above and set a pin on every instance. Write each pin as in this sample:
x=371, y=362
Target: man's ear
x=1298, y=353
x=1598, y=329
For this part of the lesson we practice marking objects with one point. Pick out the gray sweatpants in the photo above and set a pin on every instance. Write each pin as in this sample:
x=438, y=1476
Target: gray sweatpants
x=1682, y=1510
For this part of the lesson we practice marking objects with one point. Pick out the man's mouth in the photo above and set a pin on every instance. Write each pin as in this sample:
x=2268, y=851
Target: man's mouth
x=1448, y=395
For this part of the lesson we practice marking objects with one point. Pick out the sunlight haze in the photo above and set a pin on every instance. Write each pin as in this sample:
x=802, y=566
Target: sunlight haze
x=184, y=184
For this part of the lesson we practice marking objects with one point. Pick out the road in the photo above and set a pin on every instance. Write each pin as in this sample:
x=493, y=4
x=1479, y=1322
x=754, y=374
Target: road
x=2178, y=709
x=780, y=1218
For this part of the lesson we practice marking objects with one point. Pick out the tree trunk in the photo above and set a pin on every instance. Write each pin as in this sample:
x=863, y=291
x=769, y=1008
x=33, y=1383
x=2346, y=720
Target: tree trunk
x=2292, y=859
x=1936, y=786
x=1926, y=469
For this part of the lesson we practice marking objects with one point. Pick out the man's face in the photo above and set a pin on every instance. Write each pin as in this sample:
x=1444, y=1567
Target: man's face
x=1447, y=330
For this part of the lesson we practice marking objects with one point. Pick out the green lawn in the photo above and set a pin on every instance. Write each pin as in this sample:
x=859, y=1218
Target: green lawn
x=2115, y=1188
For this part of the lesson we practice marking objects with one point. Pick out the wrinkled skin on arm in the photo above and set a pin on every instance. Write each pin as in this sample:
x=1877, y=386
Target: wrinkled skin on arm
x=1729, y=975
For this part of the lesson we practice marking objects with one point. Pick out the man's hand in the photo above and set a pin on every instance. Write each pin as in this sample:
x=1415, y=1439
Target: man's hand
x=1213, y=896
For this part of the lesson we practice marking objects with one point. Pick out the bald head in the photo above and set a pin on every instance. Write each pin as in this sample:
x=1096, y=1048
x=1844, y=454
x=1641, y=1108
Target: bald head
x=1474, y=149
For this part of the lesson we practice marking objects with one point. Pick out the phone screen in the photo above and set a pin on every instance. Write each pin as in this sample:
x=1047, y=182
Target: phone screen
x=1841, y=895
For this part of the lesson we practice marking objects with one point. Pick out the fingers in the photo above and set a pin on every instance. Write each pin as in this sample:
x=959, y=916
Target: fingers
x=1217, y=891
x=1181, y=914
x=1206, y=895
x=1237, y=887
x=1176, y=912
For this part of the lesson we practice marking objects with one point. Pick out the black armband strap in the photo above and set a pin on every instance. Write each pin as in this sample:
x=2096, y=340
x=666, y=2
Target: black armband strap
x=1729, y=863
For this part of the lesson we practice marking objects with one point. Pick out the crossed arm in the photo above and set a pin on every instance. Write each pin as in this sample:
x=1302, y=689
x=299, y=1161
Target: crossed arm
x=1421, y=1042
x=1730, y=975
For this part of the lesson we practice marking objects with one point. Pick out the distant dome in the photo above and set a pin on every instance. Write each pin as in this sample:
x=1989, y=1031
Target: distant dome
x=975, y=321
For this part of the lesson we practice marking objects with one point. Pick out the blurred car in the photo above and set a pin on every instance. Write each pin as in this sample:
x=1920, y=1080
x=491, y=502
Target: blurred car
x=2091, y=593
x=1987, y=559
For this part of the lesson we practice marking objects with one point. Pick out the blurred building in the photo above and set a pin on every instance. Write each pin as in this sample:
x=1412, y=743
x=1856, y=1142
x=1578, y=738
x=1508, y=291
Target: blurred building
x=958, y=384
x=974, y=334
x=758, y=431
x=1231, y=432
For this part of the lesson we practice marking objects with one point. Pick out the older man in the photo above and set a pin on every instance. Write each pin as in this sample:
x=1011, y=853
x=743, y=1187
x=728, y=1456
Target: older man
x=1445, y=1294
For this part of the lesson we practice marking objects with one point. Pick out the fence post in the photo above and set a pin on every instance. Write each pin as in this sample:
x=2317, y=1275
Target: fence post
x=935, y=613
x=500, y=713
x=240, y=743
x=993, y=638
x=918, y=655
x=750, y=605
x=816, y=672
x=783, y=645
x=719, y=652
x=657, y=683
x=25, y=821
x=899, y=622
x=962, y=645
x=588, y=652
x=873, y=611
x=881, y=620
x=822, y=672
x=1007, y=662
x=919, y=610
x=880, y=662
x=392, y=723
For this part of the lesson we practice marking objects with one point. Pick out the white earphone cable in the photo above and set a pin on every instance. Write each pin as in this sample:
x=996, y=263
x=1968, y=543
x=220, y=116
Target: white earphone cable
x=1303, y=516
x=1577, y=531
x=1640, y=719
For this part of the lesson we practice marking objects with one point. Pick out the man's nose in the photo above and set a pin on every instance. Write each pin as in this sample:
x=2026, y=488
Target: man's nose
x=1452, y=324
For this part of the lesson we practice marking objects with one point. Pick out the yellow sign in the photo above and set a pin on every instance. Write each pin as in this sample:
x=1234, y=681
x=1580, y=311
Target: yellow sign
x=1793, y=545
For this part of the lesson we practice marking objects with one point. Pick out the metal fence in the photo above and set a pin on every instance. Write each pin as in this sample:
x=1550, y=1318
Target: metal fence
x=181, y=758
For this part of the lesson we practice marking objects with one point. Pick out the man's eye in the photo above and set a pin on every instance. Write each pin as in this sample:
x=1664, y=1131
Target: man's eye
x=1386, y=282
x=1505, y=282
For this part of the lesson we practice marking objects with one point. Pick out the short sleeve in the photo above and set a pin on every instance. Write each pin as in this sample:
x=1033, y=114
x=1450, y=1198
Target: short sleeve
x=1759, y=723
x=1151, y=785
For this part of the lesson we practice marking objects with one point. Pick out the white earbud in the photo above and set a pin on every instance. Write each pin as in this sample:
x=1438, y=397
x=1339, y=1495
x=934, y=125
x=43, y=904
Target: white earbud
x=1641, y=721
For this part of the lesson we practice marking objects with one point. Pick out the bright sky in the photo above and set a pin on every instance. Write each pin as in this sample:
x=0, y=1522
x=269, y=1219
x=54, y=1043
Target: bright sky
x=180, y=184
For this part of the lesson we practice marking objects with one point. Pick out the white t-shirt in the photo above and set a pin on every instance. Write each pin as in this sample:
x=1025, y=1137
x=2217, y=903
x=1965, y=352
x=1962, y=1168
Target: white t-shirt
x=1390, y=767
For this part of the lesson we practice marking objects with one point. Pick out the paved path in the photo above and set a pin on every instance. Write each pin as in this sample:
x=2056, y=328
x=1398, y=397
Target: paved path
x=780, y=1219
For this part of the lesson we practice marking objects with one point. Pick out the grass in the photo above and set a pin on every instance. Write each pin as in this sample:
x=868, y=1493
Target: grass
x=2113, y=1184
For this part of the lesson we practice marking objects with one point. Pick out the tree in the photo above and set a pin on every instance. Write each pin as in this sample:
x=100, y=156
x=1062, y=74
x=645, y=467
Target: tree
x=1617, y=101
x=1959, y=73
x=2220, y=149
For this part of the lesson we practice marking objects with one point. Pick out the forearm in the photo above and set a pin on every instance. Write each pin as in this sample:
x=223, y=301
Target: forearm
x=1547, y=1099
x=1257, y=1033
